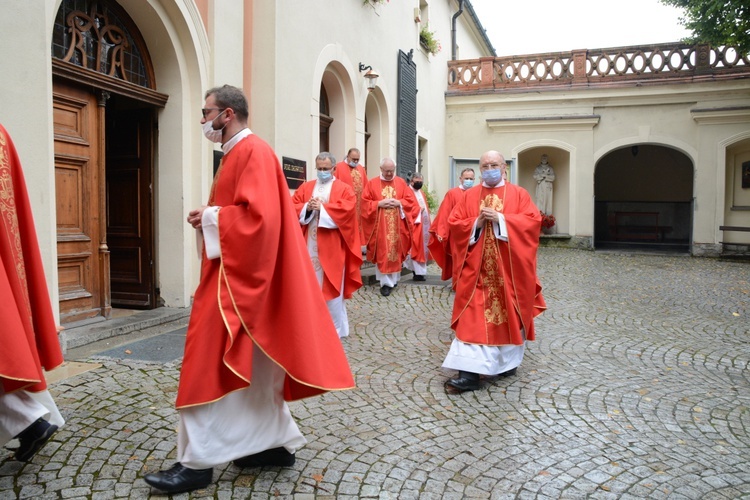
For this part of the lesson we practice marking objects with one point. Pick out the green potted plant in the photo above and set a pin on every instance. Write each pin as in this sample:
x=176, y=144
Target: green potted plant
x=428, y=40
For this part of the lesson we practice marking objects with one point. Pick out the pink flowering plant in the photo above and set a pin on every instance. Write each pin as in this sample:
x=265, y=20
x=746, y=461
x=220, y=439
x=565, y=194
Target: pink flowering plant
x=429, y=41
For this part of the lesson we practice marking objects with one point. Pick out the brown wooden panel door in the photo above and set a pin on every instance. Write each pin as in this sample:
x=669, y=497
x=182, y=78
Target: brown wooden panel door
x=77, y=136
x=130, y=206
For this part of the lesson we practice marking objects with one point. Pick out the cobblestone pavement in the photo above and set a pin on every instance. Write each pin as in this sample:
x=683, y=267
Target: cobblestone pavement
x=637, y=387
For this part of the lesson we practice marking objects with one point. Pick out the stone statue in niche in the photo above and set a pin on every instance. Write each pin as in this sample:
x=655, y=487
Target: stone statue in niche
x=544, y=176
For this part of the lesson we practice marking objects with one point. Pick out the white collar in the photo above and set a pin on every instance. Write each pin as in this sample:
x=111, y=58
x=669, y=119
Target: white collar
x=227, y=146
x=501, y=184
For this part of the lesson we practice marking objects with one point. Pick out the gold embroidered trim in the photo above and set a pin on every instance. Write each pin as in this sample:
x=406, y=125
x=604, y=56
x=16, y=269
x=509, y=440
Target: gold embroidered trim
x=495, y=310
x=392, y=235
x=9, y=214
x=358, y=186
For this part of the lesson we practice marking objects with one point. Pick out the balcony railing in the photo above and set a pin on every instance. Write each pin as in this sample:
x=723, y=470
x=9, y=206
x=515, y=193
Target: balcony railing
x=618, y=66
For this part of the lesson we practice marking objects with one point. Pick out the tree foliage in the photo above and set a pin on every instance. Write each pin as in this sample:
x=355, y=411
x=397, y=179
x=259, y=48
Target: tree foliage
x=717, y=22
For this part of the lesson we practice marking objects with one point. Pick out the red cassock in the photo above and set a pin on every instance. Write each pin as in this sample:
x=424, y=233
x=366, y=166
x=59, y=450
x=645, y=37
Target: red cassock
x=388, y=236
x=497, y=291
x=439, y=243
x=29, y=333
x=356, y=177
x=339, y=250
x=418, y=253
x=262, y=289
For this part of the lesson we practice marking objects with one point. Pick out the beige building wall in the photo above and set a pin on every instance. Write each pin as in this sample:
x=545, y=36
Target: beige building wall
x=292, y=63
x=578, y=128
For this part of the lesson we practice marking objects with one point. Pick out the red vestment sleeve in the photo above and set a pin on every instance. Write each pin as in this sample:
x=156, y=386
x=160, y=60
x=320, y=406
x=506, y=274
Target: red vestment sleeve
x=29, y=333
x=439, y=243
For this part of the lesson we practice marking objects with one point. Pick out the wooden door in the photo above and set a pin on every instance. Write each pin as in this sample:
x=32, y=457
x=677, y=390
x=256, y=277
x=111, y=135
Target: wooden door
x=130, y=206
x=81, y=251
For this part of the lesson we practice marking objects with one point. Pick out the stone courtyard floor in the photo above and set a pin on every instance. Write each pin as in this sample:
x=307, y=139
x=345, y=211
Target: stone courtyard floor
x=638, y=386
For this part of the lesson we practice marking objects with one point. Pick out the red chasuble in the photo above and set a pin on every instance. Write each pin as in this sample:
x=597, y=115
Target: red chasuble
x=28, y=334
x=339, y=250
x=417, y=242
x=261, y=290
x=356, y=177
x=388, y=236
x=497, y=292
x=439, y=243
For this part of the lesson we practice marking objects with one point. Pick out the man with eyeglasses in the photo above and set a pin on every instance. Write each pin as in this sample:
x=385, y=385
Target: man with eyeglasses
x=439, y=243
x=246, y=353
x=494, y=233
x=389, y=210
x=351, y=172
x=328, y=217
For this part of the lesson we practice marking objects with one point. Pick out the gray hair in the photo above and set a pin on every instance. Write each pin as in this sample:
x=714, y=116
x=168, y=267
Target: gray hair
x=382, y=162
x=325, y=155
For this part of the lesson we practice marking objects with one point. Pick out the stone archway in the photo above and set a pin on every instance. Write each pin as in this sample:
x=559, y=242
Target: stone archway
x=376, y=131
x=644, y=199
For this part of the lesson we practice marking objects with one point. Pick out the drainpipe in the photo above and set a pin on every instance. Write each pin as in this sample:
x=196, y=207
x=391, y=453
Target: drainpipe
x=453, y=28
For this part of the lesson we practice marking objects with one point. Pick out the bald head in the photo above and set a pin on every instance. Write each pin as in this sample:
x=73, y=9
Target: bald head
x=492, y=160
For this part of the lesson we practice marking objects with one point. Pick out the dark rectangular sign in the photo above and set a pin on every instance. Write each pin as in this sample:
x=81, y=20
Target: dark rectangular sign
x=295, y=171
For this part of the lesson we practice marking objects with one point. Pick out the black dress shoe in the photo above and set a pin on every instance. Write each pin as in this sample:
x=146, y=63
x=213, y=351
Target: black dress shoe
x=465, y=381
x=385, y=290
x=419, y=277
x=33, y=438
x=180, y=479
x=509, y=373
x=276, y=457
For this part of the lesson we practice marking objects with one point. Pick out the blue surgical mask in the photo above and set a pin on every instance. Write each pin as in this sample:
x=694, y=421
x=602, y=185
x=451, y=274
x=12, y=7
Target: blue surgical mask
x=353, y=163
x=324, y=176
x=492, y=177
x=468, y=183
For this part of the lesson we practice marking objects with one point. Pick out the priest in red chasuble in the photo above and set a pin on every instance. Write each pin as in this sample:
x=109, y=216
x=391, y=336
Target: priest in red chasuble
x=389, y=210
x=494, y=233
x=328, y=216
x=439, y=243
x=259, y=332
x=28, y=335
x=351, y=172
x=416, y=261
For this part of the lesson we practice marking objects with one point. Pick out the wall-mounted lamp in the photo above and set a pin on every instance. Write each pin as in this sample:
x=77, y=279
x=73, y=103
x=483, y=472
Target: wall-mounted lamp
x=371, y=76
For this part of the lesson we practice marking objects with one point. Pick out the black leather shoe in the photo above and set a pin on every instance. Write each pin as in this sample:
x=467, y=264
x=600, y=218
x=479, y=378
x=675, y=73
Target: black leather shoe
x=509, y=373
x=180, y=479
x=33, y=438
x=385, y=290
x=419, y=277
x=465, y=381
x=276, y=457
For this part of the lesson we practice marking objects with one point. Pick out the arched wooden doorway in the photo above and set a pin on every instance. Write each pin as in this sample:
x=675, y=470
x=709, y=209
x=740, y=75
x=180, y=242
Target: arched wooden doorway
x=644, y=199
x=104, y=109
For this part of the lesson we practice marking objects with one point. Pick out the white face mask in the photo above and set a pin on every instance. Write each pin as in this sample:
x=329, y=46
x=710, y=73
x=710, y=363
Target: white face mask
x=212, y=134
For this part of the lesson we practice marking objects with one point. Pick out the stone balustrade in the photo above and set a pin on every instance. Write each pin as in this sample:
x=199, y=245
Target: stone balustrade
x=618, y=66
